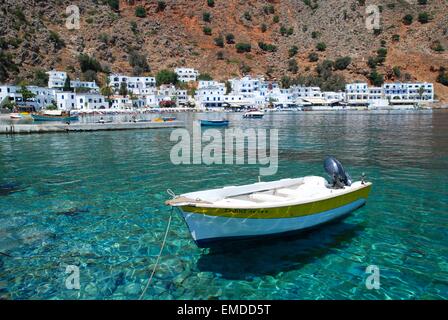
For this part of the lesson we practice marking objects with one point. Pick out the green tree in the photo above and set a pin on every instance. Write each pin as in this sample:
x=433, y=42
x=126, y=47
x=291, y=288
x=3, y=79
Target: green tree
x=114, y=4
x=321, y=46
x=40, y=78
x=443, y=77
x=230, y=38
x=88, y=63
x=243, y=47
x=228, y=87
x=205, y=77
x=263, y=27
x=219, y=41
x=293, y=66
x=206, y=16
x=293, y=51
x=211, y=3
x=342, y=63
x=313, y=57
x=27, y=95
x=123, y=91
x=166, y=77
x=397, y=71
x=207, y=31
x=56, y=40
x=140, y=12
x=67, y=84
x=408, y=19
x=376, y=78
x=106, y=91
x=423, y=17
x=138, y=62
x=161, y=5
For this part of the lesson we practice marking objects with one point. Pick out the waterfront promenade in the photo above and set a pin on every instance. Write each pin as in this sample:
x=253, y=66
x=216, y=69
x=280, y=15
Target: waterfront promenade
x=79, y=127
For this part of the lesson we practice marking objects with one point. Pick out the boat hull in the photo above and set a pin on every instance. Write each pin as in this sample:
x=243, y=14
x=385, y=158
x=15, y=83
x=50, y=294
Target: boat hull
x=45, y=118
x=207, y=123
x=209, y=227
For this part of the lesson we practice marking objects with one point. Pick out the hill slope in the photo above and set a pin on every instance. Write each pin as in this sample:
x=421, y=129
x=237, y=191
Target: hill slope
x=34, y=36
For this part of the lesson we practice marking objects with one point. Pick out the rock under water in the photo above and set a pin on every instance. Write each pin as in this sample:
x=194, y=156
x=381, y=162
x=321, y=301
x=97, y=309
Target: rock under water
x=9, y=188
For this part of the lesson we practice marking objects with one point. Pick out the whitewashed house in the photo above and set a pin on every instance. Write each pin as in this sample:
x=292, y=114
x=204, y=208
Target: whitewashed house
x=75, y=84
x=136, y=85
x=186, y=74
x=9, y=93
x=408, y=93
x=90, y=101
x=121, y=103
x=43, y=97
x=246, y=85
x=210, y=95
x=357, y=93
x=66, y=101
x=56, y=79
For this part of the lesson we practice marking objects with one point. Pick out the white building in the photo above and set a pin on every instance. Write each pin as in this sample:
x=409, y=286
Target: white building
x=56, y=79
x=357, y=93
x=136, y=85
x=9, y=93
x=66, y=101
x=408, y=93
x=186, y=74
x=389, y=94
x=246, y=84
x=84, y=84
x=90, y=101
x=43, y=97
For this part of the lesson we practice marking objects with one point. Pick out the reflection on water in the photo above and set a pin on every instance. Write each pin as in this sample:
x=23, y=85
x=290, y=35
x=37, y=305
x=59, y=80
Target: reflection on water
x=96, y=200
x=245, y=260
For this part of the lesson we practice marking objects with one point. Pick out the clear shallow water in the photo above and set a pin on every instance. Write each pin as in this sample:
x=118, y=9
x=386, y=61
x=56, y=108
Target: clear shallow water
x=96, y=200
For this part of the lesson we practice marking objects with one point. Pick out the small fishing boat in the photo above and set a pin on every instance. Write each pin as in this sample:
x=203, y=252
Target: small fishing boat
x=54, y=115
x=16, y=116
x=253, y=115
x=169, y=119
x=268, y=209
x=214, y=123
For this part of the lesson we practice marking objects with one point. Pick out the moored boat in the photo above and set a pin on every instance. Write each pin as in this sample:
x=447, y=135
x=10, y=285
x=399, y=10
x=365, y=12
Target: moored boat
x=214, y=123
x=270, y=208
x=55, y=115
x=253, y=115
x=16, y=116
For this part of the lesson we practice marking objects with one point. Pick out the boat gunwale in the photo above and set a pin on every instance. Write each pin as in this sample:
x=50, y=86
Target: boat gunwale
x=211, y=205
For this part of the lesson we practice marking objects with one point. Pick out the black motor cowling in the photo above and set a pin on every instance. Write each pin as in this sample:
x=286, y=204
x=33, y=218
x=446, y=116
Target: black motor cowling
x=335, y=170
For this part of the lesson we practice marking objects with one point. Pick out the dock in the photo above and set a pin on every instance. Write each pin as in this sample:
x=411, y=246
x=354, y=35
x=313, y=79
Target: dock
x=85, y=127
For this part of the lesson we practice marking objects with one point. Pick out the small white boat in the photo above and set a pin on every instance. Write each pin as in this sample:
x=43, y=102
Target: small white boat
x=270, y=208
x=253, y=115
x=16, y=116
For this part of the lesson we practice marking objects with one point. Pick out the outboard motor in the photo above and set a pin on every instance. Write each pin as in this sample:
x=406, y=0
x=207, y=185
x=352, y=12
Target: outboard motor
x=339, y=178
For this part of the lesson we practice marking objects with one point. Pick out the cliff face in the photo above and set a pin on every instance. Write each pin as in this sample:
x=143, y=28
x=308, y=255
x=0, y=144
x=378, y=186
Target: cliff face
x=171, y=33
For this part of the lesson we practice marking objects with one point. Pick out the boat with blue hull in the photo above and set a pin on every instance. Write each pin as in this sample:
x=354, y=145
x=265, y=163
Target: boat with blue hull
x=270, y=209
x=54, y=116
x=47, y=118
x=214, y=123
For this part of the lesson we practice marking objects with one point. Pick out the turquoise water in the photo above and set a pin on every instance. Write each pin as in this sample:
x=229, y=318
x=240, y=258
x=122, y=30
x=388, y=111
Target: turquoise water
x=96, y=200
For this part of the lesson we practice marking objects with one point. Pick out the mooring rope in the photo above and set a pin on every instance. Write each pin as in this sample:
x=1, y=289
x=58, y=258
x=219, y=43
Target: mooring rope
x=160, y=253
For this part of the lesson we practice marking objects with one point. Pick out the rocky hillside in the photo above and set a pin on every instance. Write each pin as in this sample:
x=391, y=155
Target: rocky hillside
x=143, y=37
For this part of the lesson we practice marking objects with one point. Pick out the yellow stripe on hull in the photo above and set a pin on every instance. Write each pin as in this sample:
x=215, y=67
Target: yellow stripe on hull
x=294, y=211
